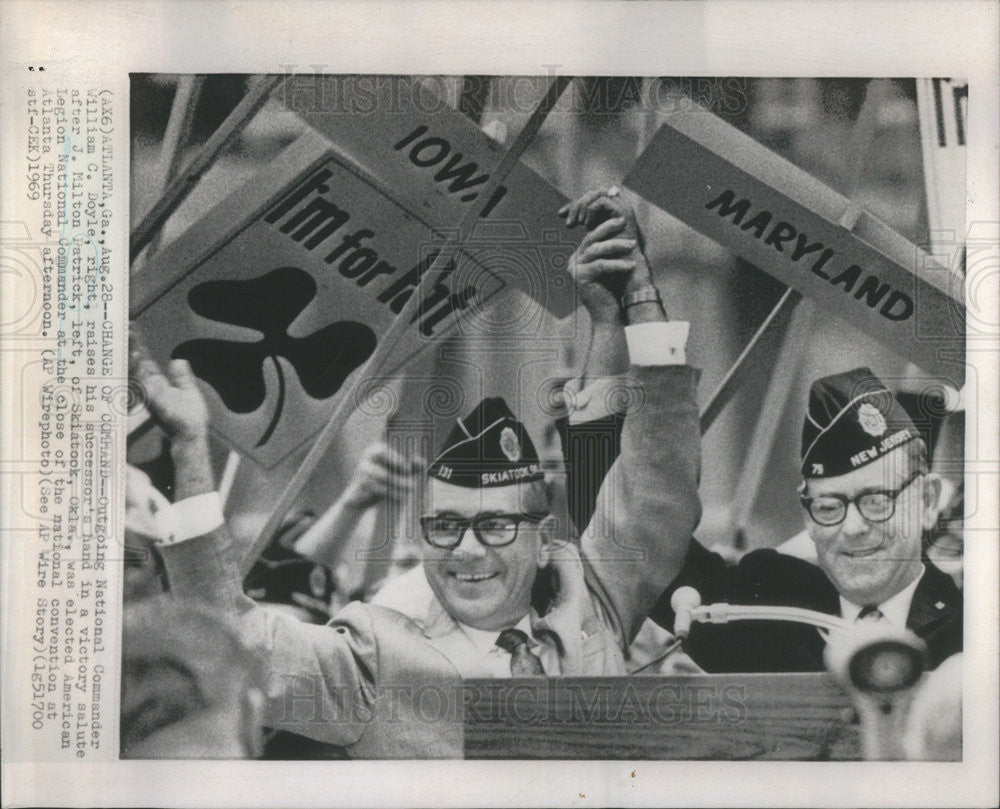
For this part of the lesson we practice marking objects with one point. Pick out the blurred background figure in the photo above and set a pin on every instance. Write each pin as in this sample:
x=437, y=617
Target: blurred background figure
x=382, y=475
x=347, y=530
x=946, y=546
x=283, y=579
x=190, y=688
x=312, y=567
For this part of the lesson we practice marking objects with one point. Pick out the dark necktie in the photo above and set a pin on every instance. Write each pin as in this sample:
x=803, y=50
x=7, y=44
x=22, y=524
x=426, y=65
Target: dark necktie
x=870, y=614
x=523, y=661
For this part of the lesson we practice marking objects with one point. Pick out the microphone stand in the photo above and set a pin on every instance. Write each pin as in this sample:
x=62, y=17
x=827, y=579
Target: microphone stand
x=880, y=666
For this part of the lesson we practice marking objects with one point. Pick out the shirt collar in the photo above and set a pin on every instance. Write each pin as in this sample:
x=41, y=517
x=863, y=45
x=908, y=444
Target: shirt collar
x=895, y=609
x=485, y=640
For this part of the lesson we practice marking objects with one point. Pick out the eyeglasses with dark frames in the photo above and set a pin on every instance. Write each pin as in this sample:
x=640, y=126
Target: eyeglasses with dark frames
x=492, y=530
x=874, y=506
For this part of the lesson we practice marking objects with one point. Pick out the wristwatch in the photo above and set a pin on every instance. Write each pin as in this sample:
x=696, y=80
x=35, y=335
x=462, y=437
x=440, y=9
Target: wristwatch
x=646, y=294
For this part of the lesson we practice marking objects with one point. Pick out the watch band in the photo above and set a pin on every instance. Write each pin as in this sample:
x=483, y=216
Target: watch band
x=646, y=294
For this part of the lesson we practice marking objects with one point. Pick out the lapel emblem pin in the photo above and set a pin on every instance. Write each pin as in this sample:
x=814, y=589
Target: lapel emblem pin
x=939, y=605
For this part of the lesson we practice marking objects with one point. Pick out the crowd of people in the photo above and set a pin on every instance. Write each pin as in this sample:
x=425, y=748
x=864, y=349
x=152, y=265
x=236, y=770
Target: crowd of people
x=218, y=664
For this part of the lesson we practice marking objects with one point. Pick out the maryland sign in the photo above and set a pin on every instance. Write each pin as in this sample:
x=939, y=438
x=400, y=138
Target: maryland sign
x=737, y=192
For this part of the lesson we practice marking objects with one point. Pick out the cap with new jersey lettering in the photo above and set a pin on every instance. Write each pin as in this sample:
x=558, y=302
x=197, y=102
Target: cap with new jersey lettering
x=853, y=419
x=489, y=447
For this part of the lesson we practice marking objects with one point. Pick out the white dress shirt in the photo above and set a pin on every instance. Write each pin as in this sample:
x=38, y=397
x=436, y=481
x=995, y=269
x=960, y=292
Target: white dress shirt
x=194, y=516
x=894, y=610
x=497, y=660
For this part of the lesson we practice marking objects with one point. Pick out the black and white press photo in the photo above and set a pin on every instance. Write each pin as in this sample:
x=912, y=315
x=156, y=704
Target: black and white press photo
x=545, y=417
x=552, y=403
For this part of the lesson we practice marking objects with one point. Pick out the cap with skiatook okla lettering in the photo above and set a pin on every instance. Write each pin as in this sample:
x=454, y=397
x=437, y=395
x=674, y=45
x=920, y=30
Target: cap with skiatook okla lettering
x=487, y=448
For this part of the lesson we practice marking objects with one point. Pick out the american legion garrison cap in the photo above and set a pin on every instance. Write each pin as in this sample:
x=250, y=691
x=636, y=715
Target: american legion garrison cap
x=489, y=447
x=852, y=420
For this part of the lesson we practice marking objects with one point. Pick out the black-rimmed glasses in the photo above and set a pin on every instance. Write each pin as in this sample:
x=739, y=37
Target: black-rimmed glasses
x=492, y=530
x=876, y=506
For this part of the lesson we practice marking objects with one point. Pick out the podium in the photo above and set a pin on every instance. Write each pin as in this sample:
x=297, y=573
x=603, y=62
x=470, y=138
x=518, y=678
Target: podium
x=724, y=716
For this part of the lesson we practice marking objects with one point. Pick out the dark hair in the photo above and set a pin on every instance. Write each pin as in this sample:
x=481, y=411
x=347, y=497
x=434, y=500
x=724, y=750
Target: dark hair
x=916, y=453
x=178, y=660
x=156, y=692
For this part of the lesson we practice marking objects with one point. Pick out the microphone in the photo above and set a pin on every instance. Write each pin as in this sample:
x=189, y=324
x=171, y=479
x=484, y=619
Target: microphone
x=684, y=601
x=880, y=666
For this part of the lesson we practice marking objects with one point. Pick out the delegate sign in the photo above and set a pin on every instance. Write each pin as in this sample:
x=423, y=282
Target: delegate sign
x=435, y=161
x=735, y=191
x=277, y=314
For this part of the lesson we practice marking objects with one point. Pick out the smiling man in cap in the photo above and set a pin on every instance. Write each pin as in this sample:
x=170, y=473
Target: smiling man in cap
x=487, y=491
x=867, y=498
x=513, y=597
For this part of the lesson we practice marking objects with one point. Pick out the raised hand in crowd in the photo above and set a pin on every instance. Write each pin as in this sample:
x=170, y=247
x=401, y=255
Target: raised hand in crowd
x=173, y=398
x=383, y=474
x=177, y=405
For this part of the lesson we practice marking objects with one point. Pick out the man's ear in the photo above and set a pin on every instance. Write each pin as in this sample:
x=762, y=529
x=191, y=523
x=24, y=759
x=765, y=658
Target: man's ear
x=931, y=507
x=807, y=522
x=546, y=536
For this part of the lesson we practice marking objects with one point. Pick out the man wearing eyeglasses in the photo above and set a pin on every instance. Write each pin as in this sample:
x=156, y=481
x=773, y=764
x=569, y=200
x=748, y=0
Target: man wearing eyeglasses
x=382, y=684
x=867, y=498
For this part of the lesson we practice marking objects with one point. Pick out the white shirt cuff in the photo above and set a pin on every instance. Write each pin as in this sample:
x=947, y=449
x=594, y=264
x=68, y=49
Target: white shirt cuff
x=194, y=516
x=661, y=343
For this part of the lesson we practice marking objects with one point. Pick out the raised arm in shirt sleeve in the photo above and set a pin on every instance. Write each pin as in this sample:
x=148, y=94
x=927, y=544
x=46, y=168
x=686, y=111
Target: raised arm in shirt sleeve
x=319, y=678
x=648, y=507
x=590, y=432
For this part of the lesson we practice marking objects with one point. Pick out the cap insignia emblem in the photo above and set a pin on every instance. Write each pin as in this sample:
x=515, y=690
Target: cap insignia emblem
x=510, y=445
x=871, y=419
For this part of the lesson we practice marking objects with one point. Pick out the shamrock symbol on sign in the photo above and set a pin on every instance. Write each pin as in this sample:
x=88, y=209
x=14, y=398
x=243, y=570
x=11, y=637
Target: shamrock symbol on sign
x=269, y=304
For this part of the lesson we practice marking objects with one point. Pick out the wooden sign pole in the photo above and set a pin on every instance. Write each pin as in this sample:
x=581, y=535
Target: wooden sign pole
x=778, y=318
x=182, y=185
x=399, y=326
x=175, y=140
